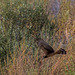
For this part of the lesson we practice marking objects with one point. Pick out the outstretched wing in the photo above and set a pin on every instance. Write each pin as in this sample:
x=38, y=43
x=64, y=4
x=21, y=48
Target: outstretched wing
x=47, y=49
x=44, y=46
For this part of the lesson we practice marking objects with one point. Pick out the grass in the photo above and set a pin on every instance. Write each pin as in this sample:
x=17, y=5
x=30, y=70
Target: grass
x=27, y=59
x=26, y=64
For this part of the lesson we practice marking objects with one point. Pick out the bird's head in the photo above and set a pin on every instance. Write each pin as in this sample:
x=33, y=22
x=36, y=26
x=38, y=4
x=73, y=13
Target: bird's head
x=37, y=40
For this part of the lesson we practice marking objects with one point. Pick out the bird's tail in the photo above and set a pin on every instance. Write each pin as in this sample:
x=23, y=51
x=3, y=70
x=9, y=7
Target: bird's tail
x=60, y=51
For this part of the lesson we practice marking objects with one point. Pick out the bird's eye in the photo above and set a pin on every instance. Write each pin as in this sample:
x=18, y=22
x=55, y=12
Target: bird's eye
x=37, y=41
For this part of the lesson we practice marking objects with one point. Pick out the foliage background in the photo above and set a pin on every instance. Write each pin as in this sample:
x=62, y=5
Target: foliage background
x=21, y=21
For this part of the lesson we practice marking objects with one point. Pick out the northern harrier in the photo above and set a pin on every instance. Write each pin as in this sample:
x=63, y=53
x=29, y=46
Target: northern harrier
x=48, y=50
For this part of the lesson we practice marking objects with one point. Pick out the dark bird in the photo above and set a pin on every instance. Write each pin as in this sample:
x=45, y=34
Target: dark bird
x=48, y=50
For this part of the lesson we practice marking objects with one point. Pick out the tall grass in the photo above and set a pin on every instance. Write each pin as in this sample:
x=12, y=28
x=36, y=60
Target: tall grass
x=21, y=22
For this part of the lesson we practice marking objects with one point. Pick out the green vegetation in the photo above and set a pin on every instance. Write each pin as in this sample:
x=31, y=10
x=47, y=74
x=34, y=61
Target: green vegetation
x=21, y=21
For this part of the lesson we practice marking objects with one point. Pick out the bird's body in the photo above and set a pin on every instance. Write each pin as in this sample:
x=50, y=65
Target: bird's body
x=48, y=50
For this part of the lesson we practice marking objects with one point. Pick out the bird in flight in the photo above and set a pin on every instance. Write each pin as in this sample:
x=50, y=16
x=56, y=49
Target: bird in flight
x=48, y=50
